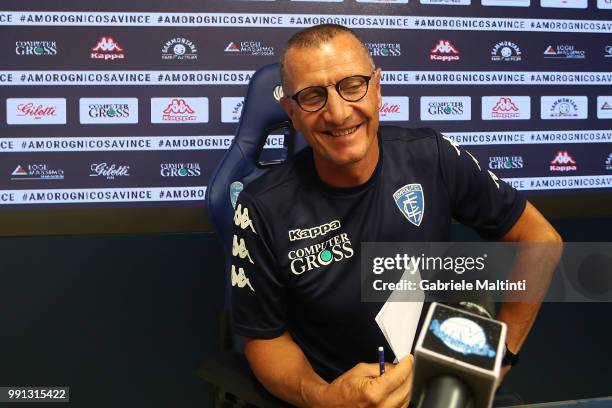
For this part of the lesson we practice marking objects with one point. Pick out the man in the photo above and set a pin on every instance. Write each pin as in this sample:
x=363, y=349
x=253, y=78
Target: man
x=295, y=272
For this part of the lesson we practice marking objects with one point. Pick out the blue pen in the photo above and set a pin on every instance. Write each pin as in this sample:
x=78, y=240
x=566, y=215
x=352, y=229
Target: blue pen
x=381, y=359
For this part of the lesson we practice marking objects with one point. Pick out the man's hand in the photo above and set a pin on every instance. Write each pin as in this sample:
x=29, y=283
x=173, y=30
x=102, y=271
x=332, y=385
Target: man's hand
x=281, y=366
x=362, y=386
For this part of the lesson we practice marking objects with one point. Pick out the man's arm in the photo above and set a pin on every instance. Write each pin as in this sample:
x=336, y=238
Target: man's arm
x=281, y=366
x=531, y=227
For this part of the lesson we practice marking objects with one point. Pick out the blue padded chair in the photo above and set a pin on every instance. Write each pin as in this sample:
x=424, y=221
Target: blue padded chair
x=228, y=371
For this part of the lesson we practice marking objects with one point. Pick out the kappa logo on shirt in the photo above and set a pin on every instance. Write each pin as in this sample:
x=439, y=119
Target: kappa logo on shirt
x=241, y=218
x=302, y=233
x=452, y=143
x=411, y=202
x=239, y=278
x=240, y=250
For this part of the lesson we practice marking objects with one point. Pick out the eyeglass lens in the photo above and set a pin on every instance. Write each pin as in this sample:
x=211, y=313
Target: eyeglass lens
x=350, y=89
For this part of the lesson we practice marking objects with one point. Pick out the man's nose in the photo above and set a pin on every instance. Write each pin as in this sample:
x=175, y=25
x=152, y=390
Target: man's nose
x=337, y=110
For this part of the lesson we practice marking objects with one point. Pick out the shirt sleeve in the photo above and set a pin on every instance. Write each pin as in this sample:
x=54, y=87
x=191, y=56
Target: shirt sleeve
x=478, y=197
x=258, y=297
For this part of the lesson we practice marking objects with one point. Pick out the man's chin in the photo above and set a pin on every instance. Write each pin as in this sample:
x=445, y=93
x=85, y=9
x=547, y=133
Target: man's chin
x=346, y=158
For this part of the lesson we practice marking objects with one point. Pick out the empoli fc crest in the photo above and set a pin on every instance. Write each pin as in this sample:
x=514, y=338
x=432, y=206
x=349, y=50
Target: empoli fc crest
x=411, y=202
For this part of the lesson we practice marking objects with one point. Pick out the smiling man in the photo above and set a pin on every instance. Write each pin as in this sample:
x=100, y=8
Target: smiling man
x=297, y=234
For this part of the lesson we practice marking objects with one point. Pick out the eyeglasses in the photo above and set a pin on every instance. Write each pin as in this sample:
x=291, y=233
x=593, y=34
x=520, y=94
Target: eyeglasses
x=351, y=89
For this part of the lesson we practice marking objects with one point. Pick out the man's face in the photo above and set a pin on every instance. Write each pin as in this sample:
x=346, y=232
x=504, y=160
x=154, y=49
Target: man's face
x=341, y=132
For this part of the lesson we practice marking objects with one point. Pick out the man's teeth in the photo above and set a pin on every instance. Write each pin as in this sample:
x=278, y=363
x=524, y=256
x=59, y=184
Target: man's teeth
x=343, y=132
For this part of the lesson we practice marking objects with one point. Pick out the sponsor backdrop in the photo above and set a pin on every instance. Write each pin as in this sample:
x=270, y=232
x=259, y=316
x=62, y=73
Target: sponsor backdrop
x=133, y=107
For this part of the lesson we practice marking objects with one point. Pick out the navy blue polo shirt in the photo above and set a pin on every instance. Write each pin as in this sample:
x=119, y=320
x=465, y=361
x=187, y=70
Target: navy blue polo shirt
x=296, y=244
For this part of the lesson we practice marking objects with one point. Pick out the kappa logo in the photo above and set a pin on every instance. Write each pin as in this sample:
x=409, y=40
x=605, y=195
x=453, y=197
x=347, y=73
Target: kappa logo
x=107, y=44
x=241, y=218
x=240, y=250
x=474, y=160
x=563, y=157
x=505, y=105
x=411, y=202
x=178, y=106
x=563, y=161
x=297, y=234
x=452, y=143
x=444, y=51
x=179, y=110
x=494, y=178
x=239, y=278
x=107, y=48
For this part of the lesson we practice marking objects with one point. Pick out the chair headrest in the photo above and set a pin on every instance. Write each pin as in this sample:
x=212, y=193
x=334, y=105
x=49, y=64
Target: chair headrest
x=260, y=112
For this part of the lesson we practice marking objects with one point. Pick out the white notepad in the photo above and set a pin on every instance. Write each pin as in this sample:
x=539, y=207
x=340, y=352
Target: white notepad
x=398, y=319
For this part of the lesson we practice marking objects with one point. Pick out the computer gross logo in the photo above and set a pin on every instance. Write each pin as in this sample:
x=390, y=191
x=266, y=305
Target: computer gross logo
x=446, y=108
x=107, y=48
x=179, y=48
x=563, y=161
x=563, y=51
x=505, y=162
x=180, y=170
x=335, y=249
x=36, y=48
x=444, y=50
x=384, y=49
x=105, y=111
x=506, y=51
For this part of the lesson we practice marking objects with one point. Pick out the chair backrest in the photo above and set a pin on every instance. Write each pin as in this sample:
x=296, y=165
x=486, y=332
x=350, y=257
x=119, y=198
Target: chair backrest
x=261, y=112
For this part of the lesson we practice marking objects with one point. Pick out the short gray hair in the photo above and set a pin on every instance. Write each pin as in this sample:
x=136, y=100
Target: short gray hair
x=315, y=36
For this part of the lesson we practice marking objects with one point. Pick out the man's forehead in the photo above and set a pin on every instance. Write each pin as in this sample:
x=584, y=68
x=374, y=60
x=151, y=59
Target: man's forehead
x=342, y=56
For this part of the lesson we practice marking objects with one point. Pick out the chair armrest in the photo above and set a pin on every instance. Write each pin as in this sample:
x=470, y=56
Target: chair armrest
x=230, y=371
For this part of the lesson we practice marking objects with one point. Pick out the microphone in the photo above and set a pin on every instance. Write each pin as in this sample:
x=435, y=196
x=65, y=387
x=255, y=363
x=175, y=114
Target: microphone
x=458, y=357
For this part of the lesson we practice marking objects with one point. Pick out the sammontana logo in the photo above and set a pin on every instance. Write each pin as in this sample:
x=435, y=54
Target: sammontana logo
x=179, y=48
x=302, y=233
x=506, y=51
x=335, y=249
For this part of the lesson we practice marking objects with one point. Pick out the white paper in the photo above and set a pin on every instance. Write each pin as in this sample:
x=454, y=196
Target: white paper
x=398, y=320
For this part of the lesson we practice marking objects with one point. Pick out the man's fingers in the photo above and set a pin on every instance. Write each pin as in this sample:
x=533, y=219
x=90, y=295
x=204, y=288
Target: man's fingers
x=366, y=370
x=397, y=374
x=399, y=397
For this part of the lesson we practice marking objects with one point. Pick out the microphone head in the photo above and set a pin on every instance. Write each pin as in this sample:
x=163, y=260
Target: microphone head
x=461, y=344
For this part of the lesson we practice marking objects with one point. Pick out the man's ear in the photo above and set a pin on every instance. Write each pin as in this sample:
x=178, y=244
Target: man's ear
x=377, y=87
x=288, y=107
